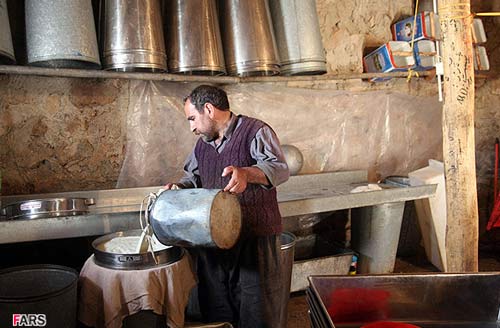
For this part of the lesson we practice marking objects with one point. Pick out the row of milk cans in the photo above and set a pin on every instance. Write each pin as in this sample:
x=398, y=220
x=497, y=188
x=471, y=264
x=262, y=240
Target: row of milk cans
x=398, y=55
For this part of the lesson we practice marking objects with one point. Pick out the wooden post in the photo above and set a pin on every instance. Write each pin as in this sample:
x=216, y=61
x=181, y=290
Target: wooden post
x=458, y=136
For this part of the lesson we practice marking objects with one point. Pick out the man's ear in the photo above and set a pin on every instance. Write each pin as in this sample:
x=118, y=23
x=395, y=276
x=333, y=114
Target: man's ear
x=210, y=109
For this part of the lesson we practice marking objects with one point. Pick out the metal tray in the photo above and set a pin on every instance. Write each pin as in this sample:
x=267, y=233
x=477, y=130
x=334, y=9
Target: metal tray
x=317, y=312
x=135, y=261
x=429, y=300
x=45, y=208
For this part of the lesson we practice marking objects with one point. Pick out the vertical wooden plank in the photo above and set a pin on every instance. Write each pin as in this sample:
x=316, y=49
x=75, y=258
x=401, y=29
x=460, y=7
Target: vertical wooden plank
x=458, y=136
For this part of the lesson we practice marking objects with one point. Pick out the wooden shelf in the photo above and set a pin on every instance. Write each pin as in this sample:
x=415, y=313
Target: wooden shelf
x=100, y=74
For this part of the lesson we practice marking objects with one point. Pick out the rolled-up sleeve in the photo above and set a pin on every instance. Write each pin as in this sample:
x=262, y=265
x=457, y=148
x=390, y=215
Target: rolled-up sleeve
x=266, y=150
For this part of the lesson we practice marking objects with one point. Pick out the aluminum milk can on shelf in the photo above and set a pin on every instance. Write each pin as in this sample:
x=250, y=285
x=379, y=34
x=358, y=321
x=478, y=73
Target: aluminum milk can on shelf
x=193, y=38
x=248, y=38
x=298, y=37
x=132, y=35
x=6, y=47
x=61, y=33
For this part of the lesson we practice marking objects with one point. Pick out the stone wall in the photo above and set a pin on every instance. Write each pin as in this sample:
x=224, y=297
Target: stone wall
x=60, y=134
x=347, y=27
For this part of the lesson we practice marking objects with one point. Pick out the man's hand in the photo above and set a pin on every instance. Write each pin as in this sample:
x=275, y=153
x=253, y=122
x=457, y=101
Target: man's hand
x=239, y=179
x=172, y=186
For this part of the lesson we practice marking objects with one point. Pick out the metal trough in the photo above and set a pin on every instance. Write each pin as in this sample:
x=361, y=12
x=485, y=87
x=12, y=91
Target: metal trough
x=424, y=300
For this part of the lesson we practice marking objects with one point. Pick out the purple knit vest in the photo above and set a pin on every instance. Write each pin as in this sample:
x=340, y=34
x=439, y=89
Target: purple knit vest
x=259, y=206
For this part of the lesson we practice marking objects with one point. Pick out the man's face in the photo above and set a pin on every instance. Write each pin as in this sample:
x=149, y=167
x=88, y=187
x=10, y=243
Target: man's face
x=408, y=30
x=200, y=123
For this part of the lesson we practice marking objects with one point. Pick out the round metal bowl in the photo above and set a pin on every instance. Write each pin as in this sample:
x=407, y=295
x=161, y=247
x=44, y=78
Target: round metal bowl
x=133, y=261
x=45, y=208
x=294, y=158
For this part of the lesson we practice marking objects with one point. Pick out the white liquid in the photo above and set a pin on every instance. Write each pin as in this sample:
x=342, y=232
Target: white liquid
x=126, y=245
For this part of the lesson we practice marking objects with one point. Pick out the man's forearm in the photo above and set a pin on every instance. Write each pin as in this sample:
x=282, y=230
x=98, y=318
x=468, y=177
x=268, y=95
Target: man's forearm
x=255, y=175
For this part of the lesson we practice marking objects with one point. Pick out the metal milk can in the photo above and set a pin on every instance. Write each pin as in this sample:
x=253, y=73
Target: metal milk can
x=61, y=33
x=196, y=217
x=6, y=48
x=194, y=44
x=248, y=38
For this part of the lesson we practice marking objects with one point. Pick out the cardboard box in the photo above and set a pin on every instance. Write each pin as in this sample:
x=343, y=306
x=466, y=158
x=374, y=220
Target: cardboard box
x=394, y=56
x=480, y=58
x=478, y=33
x=427, y=27
x=425, y=55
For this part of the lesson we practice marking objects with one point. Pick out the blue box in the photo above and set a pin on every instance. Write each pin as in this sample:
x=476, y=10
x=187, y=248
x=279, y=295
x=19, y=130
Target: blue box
x=394, y=56
x=427, y=27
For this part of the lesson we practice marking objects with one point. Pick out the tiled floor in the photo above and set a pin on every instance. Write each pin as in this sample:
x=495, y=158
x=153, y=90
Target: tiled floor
x=297, y=306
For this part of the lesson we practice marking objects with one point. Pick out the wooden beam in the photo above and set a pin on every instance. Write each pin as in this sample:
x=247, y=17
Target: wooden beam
x=458, y=136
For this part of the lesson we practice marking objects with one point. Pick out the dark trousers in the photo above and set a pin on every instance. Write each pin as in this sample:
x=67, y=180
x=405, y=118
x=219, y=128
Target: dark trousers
x=241, y=285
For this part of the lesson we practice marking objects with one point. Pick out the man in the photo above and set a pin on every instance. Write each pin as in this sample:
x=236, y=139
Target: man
x=241, y=155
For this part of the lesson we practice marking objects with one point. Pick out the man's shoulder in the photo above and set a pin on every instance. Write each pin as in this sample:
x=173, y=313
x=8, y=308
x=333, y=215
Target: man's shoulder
x=252, y=120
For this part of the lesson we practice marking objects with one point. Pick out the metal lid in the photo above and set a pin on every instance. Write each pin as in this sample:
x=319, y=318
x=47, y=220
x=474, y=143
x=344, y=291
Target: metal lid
x=45, y=208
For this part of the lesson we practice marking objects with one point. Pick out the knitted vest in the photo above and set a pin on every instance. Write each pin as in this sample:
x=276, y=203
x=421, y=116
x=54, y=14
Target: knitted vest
x=259, y=206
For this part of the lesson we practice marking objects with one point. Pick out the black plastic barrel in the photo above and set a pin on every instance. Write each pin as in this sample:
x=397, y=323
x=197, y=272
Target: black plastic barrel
x=38, y=293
